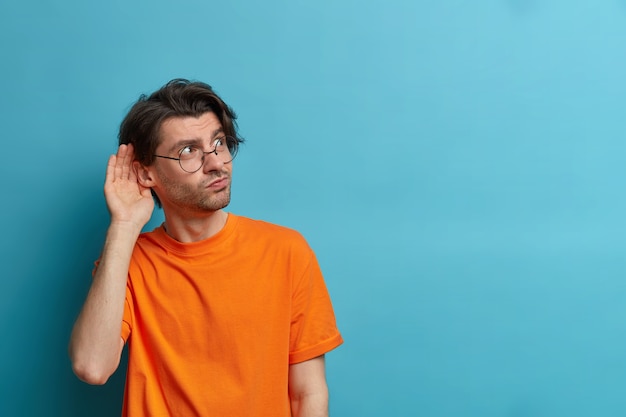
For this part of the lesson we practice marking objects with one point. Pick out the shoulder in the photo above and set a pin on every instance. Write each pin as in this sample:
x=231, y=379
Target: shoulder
x=266, y=227
x=152, y=236
x=270, y=232
x=150, y=242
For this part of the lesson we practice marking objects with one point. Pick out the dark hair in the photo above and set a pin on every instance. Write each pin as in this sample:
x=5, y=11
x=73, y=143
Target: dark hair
x=177, y=98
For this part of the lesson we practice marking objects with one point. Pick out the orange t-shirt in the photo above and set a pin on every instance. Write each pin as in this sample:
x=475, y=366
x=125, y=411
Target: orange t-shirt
x=213, y=326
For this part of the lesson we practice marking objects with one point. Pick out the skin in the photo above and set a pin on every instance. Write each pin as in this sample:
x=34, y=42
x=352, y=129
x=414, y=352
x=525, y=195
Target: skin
x=308, y=391
x=193, y=205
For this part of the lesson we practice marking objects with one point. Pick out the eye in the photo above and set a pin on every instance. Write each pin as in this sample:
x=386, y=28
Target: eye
x=220, y=143
x=188, y=152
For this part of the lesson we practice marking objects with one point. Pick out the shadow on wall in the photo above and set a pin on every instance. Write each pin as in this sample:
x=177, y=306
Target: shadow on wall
x=44, y=384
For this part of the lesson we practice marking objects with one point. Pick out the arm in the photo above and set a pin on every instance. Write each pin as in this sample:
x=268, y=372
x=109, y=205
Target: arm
x=308, y=391
x=96, y=345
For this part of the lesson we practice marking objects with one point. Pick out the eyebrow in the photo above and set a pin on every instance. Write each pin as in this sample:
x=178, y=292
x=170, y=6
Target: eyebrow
x=194, y=141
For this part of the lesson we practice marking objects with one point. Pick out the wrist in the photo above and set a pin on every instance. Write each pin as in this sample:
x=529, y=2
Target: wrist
x=124, y=227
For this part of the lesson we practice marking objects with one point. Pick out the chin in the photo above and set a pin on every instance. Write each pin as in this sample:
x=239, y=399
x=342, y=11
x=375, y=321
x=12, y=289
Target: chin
x=215, y=204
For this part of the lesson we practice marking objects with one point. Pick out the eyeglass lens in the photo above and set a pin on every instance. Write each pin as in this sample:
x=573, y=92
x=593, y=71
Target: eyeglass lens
x=192, y=159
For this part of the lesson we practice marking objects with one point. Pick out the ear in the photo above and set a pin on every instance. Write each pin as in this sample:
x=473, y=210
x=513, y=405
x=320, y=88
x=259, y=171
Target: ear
x=145, y=175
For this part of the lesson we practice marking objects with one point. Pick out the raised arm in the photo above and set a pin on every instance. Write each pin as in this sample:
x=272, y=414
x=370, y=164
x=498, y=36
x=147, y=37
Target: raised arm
x=308, y=391
x=96, y=345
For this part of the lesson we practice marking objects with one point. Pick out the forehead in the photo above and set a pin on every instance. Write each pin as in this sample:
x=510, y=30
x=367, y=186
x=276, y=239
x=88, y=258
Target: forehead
x=183, y=128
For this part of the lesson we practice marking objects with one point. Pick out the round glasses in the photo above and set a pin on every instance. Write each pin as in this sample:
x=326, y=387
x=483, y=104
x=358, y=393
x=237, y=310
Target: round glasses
x=191, y=158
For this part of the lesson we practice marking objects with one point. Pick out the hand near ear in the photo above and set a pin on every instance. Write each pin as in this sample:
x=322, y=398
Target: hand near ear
x=127, y=200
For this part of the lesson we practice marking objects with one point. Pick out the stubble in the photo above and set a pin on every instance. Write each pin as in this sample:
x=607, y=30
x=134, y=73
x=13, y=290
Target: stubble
x=196, y=197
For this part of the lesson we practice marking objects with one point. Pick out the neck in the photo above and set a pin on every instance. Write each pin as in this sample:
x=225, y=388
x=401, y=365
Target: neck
x=194, y=229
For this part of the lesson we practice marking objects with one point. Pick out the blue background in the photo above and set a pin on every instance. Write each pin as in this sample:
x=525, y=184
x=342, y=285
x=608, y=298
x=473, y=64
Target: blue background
x=458, y=166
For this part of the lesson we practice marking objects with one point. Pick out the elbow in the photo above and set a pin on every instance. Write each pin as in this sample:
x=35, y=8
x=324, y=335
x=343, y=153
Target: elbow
x=91, y=367
x=91, y=370
x=90, y=373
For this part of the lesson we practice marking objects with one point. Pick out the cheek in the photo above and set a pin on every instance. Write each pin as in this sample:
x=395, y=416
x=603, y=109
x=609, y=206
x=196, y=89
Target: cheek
x=167, y=174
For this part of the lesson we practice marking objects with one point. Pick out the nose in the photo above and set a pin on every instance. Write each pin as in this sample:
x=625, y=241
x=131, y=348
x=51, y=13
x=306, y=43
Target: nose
x=212, y=161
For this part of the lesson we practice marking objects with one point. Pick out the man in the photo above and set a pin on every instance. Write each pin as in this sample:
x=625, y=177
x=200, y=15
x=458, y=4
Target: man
x=224, y=315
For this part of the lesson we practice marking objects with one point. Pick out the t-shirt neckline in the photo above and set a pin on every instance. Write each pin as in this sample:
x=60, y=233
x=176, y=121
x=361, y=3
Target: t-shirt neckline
x=200, y=247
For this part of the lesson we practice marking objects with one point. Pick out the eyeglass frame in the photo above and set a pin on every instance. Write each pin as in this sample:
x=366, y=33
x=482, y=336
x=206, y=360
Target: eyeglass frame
x=232, y=152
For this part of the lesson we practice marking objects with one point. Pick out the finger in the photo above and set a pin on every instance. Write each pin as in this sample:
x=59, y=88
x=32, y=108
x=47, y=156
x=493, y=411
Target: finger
x=119, y=162
x=132, y=169
x=127, y=160
x=110, y=172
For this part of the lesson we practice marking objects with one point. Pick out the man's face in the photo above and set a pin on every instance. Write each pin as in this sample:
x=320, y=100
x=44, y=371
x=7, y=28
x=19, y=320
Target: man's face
x=205, y=190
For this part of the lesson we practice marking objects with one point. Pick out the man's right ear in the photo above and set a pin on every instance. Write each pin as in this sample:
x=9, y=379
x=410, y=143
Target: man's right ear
x=145, y=176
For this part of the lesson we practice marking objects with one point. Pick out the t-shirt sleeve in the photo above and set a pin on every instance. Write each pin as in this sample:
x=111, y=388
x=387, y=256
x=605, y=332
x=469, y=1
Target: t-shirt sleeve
x=314, y=330
x=126, y=319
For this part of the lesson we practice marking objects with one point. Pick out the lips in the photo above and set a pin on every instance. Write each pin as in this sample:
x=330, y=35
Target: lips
x=218, y=183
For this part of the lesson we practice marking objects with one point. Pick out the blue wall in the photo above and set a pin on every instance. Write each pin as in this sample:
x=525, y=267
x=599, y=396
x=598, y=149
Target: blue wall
x=457, y=166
